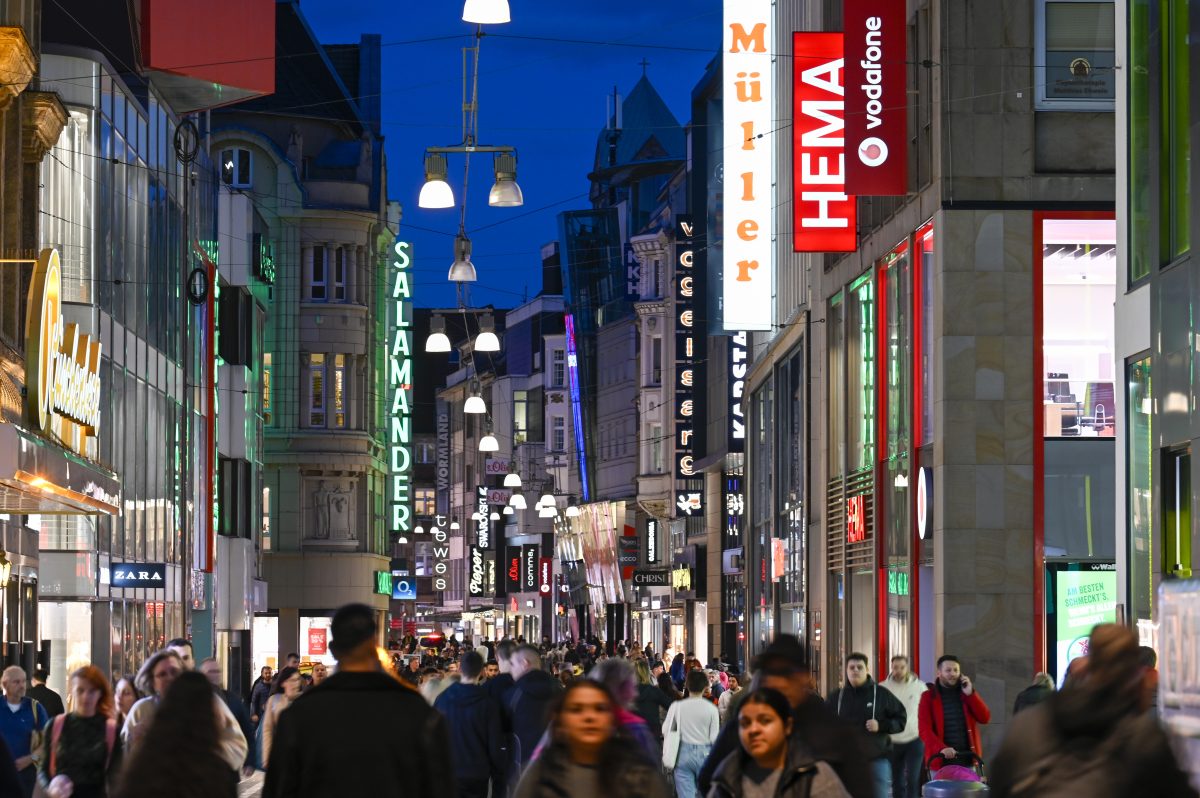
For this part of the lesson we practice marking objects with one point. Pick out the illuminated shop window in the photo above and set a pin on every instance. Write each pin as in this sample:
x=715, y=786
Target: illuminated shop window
x=316, y=390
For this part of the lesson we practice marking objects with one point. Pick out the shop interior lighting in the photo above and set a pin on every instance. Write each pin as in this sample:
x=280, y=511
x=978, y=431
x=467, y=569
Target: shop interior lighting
x=505, y=192
x=437, y=341
x=901, y=481
x=487, y=340
x=475, y=403
x=486, y=12
x=462, y=270
x=436, y=192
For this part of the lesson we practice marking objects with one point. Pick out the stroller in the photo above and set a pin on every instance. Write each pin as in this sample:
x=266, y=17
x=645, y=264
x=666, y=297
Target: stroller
x=951, y=781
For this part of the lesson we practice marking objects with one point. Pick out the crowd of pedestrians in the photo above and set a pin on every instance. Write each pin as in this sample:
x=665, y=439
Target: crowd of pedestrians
x=514, y=720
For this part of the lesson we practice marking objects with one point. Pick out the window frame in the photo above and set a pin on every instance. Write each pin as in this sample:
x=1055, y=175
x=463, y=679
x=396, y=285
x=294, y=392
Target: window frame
x=317, y=392
x=236, y=154
x=313, y=282
x=1043, y=103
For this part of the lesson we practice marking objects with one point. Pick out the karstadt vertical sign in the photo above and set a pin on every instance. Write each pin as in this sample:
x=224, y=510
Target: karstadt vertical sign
x=749, y=128
x=399, y=381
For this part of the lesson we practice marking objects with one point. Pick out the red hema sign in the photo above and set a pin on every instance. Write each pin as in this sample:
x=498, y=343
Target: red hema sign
x=876, y=99
x=825, y=219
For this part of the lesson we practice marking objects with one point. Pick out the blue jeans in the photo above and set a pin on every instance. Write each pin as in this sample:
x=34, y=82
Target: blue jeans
x=906, y=768
x=881, y=774
x=687, y=769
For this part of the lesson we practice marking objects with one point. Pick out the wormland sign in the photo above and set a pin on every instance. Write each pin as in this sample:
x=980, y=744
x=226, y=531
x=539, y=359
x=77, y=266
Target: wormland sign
x=62, y=379
x=399, y=371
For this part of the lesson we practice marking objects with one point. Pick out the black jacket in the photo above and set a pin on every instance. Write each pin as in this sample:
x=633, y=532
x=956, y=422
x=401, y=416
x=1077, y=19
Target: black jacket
x=51, y=700
x=818, y=730
x=1091, y=742
x=801, y=777
x=359, y=734
x=1032, y=695
x=529, y=705
x=637, y=778
x=473, y=718
x=650, y=699
x=857, y=705
x=499, y=688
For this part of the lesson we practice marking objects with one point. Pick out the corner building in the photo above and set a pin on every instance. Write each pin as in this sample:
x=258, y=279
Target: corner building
x=956, y=368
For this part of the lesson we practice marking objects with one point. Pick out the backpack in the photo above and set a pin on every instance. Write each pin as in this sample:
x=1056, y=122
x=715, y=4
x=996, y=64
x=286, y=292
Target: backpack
x=110, y=741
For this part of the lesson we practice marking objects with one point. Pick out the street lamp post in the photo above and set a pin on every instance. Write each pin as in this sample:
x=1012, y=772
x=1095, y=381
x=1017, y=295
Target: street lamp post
x=5, y=575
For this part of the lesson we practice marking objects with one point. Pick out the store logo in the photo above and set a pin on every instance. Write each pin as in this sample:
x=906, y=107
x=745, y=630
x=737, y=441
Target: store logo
x=876, y=97
x=61, y=366
x=681, y=579
x=383, y=583
x=856, y=519
x=399, y=371
x=872, y=151
x=688, y=503
x=478, y=572
x=139, y=574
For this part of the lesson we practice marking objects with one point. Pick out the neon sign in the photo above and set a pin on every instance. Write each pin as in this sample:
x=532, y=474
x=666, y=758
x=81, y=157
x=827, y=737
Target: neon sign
x=856, y=519
x=399, y=371
x=576, y=405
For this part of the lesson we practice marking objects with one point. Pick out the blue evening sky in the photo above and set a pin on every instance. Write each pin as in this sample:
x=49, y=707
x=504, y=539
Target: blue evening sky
x=546, y=98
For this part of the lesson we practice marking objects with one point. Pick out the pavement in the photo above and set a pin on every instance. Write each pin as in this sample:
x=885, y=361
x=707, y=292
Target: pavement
x=251, y=787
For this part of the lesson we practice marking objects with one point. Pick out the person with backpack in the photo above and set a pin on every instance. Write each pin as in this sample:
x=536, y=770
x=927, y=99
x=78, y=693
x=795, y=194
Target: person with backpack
x=1093, y=737
x=22, y=726
x=865, y=705
x=81, y=750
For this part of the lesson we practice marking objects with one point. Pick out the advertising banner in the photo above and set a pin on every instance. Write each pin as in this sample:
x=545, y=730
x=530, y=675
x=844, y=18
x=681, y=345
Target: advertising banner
x=477, y=572
x=876, y=97
x=749, y=129
x=1082, y=599
x=685, y=347
x=317, y=641
x=404, y=587
x=545, y=575
x=512, y=569
x=825, y=217
x=529, y=568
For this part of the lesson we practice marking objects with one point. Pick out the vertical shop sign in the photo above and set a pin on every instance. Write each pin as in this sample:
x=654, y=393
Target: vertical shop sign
x=440, y=531
x=685, y=348
x=739, y=365
x=876, y=97
x=512, y=569
x=483, y=524
x=399, y=380
x=442, y=474
x=856, y=519
x=477, y=572
x=633, y=275
x=652, y=555
x=825, y=217
x=529, y=567
x=749, y=128
x=545, y=575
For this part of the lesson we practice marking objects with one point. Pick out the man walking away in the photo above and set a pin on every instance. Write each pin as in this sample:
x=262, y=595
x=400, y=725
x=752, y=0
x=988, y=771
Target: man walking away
x=783, y=666
x=862, y=703
x=1037, y=692
x=476, y=738
x=950, y=714
x=908, y=751
x=20, y=725
x=362, y=731
x=533, y=693
x=698, y=723
x=49, y=699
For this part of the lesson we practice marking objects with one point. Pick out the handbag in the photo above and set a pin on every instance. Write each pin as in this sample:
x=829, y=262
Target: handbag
x=671, y=741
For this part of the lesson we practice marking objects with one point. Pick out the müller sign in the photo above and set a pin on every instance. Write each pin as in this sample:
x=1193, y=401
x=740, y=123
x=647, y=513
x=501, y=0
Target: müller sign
x=61, y=365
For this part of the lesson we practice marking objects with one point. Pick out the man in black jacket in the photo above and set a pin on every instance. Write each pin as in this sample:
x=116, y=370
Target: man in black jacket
x=362, y=731
x=862, y=703
x=783, y=666
x=532, y=696
x=476, y=736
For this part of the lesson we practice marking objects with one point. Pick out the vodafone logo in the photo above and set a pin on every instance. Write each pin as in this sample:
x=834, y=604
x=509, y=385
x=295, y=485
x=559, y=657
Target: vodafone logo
x=872, y=151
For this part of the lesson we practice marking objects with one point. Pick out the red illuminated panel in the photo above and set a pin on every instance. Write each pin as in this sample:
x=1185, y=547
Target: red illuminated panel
x=856, y=520
x=825, y=217
x=219, y=53
x=876, y=98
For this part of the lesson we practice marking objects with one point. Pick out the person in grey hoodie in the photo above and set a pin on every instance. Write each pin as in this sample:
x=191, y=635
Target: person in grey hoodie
x=908, y=752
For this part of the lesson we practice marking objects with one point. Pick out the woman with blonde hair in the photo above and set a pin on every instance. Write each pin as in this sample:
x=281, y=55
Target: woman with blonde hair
x=80, y=749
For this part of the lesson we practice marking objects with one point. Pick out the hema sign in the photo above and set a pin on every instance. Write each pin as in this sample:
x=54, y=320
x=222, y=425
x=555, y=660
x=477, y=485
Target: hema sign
x=876, y=98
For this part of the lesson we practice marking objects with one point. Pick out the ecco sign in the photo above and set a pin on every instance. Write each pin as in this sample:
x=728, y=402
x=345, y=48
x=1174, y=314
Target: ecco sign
x=152, y=574
x=876, y=98
x=825, y=217
x=61, y=366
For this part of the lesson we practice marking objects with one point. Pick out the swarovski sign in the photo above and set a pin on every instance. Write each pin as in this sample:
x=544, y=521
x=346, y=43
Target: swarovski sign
x=399, y=373
x=62, y=379
x=483, y=526
x=749, y=129
x=876, y=98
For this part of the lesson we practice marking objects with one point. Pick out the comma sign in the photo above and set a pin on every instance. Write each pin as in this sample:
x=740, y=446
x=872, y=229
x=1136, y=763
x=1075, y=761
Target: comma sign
x=399, y=373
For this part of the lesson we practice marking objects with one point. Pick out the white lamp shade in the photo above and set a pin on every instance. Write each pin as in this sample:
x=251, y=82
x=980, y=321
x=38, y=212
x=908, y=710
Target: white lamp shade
x=572, y=512
x=488, y=443
x=506, y=194
x=548, y=500
x=437, y=342
x=462, y=270
x=486, y=12
x=548, y=512
x=418, y=530
x=454, y=525
x=517, y=502
x=512, y=480
x=487, y=341
x=475, y=404
x=508, y=510
x=495, y=516
x=436, y=194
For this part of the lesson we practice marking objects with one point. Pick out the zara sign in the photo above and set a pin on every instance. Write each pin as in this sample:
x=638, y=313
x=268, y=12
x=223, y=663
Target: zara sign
x=139, y=574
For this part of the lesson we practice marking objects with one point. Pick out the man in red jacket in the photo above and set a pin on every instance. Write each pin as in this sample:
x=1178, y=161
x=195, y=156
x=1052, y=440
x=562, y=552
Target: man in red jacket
x=949, y=716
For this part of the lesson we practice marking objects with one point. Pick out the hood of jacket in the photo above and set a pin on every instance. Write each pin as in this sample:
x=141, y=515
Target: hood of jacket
x=538, y=684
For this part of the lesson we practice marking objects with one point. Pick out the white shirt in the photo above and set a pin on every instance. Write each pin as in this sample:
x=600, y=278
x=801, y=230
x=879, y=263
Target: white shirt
x=909, y=693
x=699, y=722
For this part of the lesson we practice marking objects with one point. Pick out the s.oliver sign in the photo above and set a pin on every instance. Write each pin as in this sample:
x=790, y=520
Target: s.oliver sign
x=876, y=98
x=495, y=466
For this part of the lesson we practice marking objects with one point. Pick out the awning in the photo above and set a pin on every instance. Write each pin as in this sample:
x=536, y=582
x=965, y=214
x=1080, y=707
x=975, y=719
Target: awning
x=37, y=476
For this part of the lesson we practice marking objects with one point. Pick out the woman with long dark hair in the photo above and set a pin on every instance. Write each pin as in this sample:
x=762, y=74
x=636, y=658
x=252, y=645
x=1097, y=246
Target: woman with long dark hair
x=80, y=748
x=588, y=753
x=181, y=753
x=766, y=763
x=284, y=691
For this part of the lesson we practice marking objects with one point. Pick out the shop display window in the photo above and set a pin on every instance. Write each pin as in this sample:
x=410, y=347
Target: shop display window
x=1139, y=410
x=1079, y=275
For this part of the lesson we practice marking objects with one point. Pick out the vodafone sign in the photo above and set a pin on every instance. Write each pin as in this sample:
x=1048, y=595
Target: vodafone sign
x=876, y=98
x=825, y=217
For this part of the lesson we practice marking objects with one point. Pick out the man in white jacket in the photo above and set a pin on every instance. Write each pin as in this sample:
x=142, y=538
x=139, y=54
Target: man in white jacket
x=907, y=749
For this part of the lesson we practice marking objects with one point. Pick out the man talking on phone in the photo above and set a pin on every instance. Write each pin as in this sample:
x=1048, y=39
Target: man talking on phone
x=949, y=716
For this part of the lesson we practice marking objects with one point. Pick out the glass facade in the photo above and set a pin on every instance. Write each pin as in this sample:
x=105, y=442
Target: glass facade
x=895, y=280
x=1140, y=458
